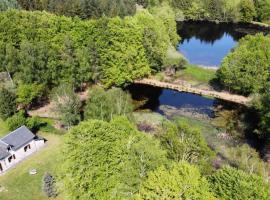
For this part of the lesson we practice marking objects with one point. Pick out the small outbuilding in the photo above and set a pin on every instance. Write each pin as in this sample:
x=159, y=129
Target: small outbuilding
x=18, y=145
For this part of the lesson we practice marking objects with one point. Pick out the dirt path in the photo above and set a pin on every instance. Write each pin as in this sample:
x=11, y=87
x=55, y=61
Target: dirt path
x=185, y=87
x=46, y=111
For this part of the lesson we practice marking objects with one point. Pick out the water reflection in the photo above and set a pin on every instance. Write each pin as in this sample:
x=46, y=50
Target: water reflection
x=206, y=43
x=171, y=103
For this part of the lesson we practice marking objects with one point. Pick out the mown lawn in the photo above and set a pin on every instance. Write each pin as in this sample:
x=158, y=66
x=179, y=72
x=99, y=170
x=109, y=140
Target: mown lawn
x=20, y=185
x=197, y=74
x=3, y=128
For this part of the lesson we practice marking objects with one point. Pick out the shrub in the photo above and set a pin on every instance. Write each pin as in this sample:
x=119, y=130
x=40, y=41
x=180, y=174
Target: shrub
x=230, y=183
x=49, y=185
x=16, y=121
x=27, y=94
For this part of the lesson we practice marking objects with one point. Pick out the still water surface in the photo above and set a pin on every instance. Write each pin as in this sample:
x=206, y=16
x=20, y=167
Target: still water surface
x=206, y=43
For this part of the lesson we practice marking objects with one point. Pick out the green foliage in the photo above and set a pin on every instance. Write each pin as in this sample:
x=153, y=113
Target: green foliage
x=7, y=103
x=217, y=10
x=167, y=16
x=16, y=121
x=108, y=160
x=121, y=51
x=247, y=10
x=230, y=183
x=182, y=181
x=82, y=8
x=8, y=4
x=67, y=105
x=246, y=69
x=263, y=10
x=104, y=105
x=155, y=40
x=184, y=143
x=20, y=119
x=38, y=47
x=27, y=94
x=261, y=106
x=247, y=159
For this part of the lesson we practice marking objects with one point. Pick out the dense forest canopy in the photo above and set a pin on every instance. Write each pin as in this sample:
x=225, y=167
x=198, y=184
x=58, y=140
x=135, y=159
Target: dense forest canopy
x=218, y=10
x=38, y=47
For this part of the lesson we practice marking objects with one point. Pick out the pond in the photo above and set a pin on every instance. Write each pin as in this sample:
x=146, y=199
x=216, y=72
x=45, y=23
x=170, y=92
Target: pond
x=171, y=103
x=207, y=43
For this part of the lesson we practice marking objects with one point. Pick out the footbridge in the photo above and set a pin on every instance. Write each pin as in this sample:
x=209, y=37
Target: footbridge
x=185, y=87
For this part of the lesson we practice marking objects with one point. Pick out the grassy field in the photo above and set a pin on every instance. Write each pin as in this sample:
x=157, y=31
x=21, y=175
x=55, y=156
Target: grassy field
x=196, y=74
x=19, y=185
x=3, y=128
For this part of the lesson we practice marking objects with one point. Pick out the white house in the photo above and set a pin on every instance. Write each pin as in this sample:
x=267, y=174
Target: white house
x=16, y=146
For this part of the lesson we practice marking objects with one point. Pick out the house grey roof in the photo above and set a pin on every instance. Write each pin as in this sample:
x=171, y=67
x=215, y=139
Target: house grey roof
x=18, y=138
x=3, y=153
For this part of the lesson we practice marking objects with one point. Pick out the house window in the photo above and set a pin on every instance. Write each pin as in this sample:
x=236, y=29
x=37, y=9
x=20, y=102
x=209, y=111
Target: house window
x=26, y=148
x=1, y=168
x=10, y=159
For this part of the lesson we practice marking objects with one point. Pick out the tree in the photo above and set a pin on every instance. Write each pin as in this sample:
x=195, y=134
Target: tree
x=105, y=160
x=8, y=106
x=263, y=10
x=83, y=8
x=247, y=10
x=121, y=51
x=230, y=183
x=28, y=94
x=246, y=69
x=181, y=181
x=67, y=105
x=104, y=105
x=48, y=186
x=184, y=143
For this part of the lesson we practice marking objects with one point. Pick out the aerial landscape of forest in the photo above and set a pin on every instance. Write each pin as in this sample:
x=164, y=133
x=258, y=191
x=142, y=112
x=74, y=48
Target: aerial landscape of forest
x=135, y=99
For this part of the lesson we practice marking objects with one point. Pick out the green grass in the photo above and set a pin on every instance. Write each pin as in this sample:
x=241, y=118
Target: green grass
x=20, y=185
x=3, y=128
x=196, y=74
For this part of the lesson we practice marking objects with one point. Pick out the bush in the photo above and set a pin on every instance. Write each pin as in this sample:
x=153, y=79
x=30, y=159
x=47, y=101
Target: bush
x=16, y=121
x=186, y=143
x=21, y=119
x=49, y=185
x=230, y=183
x=34, y=123
x=28, y=94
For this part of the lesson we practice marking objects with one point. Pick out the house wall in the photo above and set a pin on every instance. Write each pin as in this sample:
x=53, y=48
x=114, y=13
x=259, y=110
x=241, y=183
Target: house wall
x=20, y=154
x=3, y=164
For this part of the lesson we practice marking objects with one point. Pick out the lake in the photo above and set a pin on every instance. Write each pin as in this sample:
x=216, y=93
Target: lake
x=207, y=43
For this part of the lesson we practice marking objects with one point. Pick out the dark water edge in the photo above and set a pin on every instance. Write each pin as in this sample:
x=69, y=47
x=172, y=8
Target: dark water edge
x=171, y=104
